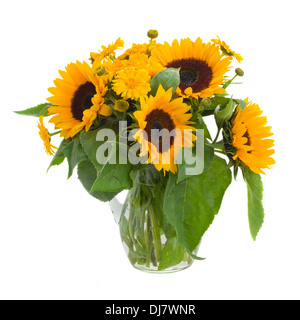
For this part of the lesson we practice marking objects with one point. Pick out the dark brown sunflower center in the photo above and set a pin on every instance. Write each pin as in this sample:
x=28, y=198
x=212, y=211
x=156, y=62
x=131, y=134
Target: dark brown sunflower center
x=157, y=120
x=248, y=143
x=82, y=99
x=194, y=73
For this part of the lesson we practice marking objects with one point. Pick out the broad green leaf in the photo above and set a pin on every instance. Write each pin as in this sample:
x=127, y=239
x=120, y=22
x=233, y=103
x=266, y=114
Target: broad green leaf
x=91, y=145
x=59, y=156
x=168, y=78
x=87, y=174
x=114, y=177
x=205, y=162
x=192, y=204
x=39, y=110
x=74, y=154
x=172, y=254
x=255, y=206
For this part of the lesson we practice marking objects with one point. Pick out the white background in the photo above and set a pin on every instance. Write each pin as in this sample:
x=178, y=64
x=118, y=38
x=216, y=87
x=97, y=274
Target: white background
x=57, y=242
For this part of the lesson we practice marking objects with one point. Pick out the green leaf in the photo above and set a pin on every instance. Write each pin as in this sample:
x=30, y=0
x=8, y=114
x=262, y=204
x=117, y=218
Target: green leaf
x=223, y=114
x=114, y=177
x=205, y=162
x=91, y=145
x=172, y=254
x=74, y=154
x=59, y=156
x=200, y=124
x=255, y=206
x=39, y=110
x=215, y=102
x=241, y=102
x=192, y=204
x=168, y=78
x=87, y=174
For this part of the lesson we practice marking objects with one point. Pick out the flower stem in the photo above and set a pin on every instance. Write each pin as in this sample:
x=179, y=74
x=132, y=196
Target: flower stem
x=229, y=82
x=55, y=133
x=217, y=136
x=156, y=232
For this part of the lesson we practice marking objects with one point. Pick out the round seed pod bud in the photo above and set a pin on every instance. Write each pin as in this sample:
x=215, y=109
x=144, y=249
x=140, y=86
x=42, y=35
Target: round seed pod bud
x=121, y=105
x=100, y=71
x=152, y=34
x=239, y=72
x=206, y=102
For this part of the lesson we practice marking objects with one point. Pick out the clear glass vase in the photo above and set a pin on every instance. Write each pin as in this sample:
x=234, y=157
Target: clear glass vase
x=149, y=240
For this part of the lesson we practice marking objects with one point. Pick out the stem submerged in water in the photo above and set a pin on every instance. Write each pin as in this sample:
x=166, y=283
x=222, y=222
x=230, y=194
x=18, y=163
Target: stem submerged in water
x=155, y=227
x=151, y=241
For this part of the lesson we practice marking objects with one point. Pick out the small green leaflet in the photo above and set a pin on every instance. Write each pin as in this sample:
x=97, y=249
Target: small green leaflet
x=241, y=103
x=255, y=206
x=74, y=154
x=39, y=110
x=59, y=156
x=168, y=78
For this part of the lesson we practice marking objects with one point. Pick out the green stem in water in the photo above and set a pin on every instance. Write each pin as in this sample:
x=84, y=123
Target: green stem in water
x=148, y=241
x=156, y=232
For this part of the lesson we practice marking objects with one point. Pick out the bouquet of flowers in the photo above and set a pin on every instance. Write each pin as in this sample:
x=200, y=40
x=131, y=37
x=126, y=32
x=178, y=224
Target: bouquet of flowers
x=136, y=121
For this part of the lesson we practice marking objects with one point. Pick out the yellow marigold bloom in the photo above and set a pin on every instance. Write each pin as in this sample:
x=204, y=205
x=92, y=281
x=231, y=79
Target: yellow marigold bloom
x=143, y=61
x=160, y=112
x=98, y=58
x=44, y=134
x=77, y=91
x=109, y=50
x=112, y=67
x=140, y=48
x=132, y=83
x=249, y=133
x=98, y=107
x=226, y=49
x=202, y=66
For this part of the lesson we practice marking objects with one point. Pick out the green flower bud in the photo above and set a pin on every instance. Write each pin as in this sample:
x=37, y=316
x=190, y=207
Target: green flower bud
x=206, y=102
x=100, y=71
x=121, y=105
x=152, y=34
x=239, y=72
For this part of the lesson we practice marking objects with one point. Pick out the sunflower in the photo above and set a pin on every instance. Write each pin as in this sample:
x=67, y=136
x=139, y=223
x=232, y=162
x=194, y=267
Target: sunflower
x=45, y=136
x=249, y=133
x=159, y=113
x=132, y=83
x=226, y=49
x=202, y=66
x=77, y=91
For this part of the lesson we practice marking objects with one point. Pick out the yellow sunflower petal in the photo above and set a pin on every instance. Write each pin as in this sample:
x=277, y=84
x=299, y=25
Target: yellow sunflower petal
x=249, y=133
